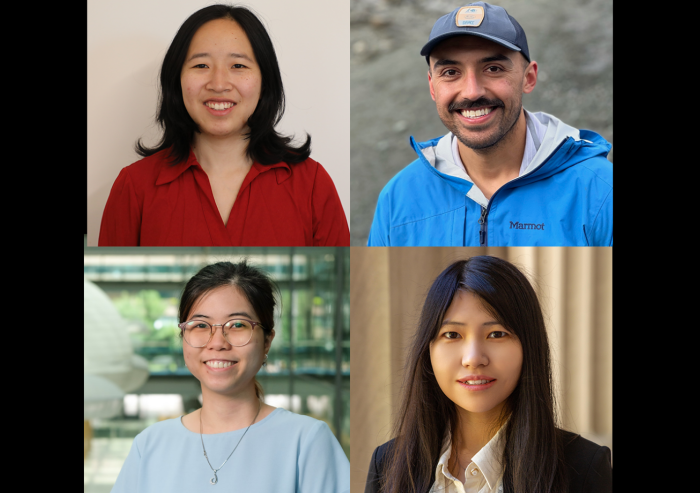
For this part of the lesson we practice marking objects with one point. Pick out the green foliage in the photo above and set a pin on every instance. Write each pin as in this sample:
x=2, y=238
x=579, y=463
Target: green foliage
x=147, y=306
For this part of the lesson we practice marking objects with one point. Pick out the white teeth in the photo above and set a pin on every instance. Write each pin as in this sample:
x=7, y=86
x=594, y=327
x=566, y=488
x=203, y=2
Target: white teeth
x=477, y=382
x=219, y=106
x=219, y=364
x=475, y=114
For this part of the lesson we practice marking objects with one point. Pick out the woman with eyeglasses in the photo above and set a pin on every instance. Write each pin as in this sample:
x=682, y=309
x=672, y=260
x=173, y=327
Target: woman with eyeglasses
x=235, y=440
x=478, y=412
x=221, y=174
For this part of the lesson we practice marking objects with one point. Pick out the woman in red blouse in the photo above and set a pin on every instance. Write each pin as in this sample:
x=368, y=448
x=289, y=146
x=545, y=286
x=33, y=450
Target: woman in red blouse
x=221, y=175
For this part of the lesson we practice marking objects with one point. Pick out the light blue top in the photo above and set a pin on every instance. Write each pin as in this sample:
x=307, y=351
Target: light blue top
x=284, y=452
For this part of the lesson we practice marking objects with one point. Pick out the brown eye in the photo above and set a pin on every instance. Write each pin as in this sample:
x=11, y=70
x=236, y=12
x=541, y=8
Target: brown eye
x=502, y=334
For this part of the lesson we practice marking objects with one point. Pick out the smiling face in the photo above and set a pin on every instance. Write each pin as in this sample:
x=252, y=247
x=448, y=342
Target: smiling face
x=470, y=348
x=477, y=86
x=218, y=306
x=220, y=79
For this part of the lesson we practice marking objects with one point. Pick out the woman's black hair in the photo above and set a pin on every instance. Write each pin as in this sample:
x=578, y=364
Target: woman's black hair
x=532, y=455
x=256, y=285
x=265, y=145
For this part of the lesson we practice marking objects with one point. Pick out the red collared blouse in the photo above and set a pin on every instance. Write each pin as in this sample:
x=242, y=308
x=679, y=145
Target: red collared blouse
x=153, y=203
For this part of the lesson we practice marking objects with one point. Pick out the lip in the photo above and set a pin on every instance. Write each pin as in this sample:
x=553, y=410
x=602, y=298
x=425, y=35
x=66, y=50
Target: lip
x=479, y=120
x=462, y=381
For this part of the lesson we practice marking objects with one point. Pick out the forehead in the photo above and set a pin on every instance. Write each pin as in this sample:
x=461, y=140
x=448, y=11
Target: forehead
x=222, y=300
x=466, y=47
x=466, y=304
x=220, y=35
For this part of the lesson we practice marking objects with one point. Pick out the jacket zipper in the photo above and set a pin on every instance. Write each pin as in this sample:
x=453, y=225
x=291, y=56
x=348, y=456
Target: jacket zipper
x=483, y=232
x=482, y=228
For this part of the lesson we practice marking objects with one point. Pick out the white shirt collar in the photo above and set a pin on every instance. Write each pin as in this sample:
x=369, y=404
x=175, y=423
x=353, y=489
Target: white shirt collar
x=487, y=460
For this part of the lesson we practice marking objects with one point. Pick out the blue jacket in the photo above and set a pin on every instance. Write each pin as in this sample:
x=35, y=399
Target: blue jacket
x=564, y=198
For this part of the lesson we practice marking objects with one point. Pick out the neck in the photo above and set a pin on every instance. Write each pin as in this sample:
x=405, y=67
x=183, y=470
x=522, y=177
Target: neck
x=495, y=166
x=474, y=431
x=221, y=156
x=222, y=413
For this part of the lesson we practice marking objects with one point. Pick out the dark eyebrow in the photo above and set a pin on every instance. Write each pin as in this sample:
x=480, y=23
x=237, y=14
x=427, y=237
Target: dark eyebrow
x=499, y=57
x=496, y=58
x=233, y=55
x=444, y=61
x=235, y=314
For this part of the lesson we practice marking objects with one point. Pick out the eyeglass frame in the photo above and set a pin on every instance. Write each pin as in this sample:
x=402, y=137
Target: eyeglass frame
x=213, y=331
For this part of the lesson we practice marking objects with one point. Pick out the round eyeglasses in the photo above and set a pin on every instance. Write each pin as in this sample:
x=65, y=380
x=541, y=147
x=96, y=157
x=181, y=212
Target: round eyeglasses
x=237, y=332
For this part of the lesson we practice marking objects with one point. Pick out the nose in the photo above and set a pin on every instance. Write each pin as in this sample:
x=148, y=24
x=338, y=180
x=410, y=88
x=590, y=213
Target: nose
x=219, y=81
x=473, y=355
x=472, y=87
x=217, y=340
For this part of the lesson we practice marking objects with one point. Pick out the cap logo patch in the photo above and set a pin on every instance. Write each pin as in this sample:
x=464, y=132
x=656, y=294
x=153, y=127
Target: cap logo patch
x=470, y=16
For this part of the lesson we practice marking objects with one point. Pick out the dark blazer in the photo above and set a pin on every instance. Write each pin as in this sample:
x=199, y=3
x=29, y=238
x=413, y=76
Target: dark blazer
x=589, y=465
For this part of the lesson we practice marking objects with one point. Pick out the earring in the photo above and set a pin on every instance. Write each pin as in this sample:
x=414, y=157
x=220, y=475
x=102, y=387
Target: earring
x=265, y=360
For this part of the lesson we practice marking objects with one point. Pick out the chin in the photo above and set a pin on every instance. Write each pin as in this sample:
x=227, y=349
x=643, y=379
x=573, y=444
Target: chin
x=477, y=407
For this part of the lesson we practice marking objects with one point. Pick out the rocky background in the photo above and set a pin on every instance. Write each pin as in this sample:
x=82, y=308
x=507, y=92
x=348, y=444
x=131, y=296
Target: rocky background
x=571, y=40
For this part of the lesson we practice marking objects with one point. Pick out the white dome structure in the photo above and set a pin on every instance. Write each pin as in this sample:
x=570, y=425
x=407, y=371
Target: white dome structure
x=107, y=348
x=102, y=398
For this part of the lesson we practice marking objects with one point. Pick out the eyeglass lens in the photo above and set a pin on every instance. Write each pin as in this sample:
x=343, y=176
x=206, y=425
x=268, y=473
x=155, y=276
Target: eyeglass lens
x=236, y=332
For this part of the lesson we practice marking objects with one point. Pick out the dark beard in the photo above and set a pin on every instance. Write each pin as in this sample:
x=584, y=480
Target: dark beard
x=498, y=139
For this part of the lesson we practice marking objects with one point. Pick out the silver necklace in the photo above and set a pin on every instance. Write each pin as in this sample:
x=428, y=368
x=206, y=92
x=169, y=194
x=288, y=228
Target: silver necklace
x=215, y=479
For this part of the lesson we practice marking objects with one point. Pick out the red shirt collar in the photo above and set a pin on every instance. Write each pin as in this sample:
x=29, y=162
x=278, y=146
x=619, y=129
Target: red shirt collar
x=170, y=173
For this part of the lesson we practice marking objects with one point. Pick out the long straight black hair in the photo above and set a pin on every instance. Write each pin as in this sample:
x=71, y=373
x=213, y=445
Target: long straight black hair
x=532, y=455
x=256, y=285
x=265, y=145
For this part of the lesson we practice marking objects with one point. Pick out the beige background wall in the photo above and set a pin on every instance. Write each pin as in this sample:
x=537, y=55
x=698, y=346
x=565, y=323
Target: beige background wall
x=127, y=41
x=388, y=287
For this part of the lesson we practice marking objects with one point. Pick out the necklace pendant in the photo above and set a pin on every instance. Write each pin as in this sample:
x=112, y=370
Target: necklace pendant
x=214, y=480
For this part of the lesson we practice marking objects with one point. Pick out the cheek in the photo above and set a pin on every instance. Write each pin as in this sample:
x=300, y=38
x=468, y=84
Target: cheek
x=251, y=87
x=512, y=358
x=442, y=360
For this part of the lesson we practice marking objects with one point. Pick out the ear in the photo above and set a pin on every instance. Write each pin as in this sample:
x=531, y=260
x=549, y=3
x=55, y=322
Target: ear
x=430, y=83
x=268, y=340
x=530, y=77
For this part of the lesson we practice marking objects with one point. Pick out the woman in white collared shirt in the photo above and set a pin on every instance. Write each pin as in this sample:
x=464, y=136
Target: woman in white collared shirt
x=478, y=410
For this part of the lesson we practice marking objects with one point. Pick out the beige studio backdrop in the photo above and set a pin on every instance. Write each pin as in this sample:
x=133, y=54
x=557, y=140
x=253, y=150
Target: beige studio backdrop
x=387, y=290
x=127, y=41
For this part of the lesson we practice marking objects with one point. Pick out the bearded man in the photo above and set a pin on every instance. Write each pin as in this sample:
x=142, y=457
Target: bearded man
x=501, y=176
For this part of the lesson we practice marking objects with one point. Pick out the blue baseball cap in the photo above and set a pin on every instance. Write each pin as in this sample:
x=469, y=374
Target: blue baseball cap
x=479, y=19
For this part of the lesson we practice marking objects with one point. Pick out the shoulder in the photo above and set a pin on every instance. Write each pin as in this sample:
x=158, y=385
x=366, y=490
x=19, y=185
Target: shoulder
x=377, y=467
x=597, y=168
x=168, y=428
x=165, y=426
x=577, y=448
x=409, y=179
x=381, y=455
x=306, y=169
x=145, y=171
x=306, y=173
x=588, y=463
x=591, y=152
x=291, y=423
